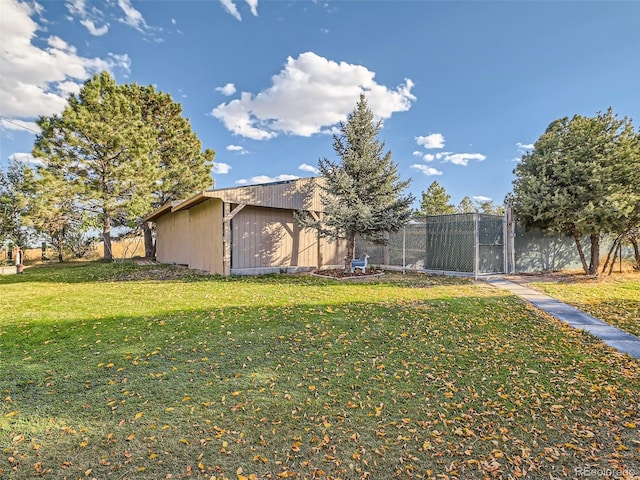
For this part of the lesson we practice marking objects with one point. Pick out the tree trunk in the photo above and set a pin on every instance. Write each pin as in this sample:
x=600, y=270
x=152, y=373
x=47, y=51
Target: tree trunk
x=351, y=248
x=576, y=237
x=611, y=250
x=60, y=259
x=149, y=245
x=106, y=238
x=595, y=254
x=636, y=251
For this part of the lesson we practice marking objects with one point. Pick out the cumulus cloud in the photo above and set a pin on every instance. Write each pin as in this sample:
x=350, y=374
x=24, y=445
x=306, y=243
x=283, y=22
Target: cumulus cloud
x=37, y=80
x=228, y=89
x=305, y=167
x=266, y=179
x=481, y=198
x=433, y=140
x=310, y=95
x=463, y=158
x=427, y=170
x=232, y=9
x=220, y=168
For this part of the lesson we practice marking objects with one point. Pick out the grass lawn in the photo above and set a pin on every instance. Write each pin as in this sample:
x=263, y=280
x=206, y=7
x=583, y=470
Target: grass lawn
x=107, y=373
x=614, y=299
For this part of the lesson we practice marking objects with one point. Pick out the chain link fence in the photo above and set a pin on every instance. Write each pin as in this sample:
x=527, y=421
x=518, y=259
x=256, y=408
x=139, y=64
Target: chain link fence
x=474, y=244
x=457, y=244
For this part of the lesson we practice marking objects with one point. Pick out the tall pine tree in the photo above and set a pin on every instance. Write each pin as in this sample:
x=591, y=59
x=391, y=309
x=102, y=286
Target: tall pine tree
x=363, y=192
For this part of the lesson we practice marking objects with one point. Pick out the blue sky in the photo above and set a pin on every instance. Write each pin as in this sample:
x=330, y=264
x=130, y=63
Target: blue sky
x=462, y=88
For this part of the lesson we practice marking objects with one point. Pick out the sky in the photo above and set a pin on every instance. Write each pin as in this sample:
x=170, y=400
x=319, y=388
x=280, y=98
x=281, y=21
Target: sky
x=462, y=88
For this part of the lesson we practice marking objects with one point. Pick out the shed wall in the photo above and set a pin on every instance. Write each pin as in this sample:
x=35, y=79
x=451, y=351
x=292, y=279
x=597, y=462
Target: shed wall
x=203, y=239
x=170, y=230
x=270, y=237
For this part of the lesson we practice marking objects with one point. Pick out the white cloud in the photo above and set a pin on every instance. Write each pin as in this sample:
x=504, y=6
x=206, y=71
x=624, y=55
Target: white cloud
x=88, y=18
x=220, y=168
x=26, y=159
x=228, y=89
x=481, y=198
x=310, y=95
x=232, y=9
x=433, y=140
x=429, y=157
x=429, y=171
x=19, y=125
x=35, y=80
x=93, y=29
x=132, y=17
x=524, y=146
x=237, y=148
x=253, y=5
x=308, y=168
x=266, y=179
x=463, y=158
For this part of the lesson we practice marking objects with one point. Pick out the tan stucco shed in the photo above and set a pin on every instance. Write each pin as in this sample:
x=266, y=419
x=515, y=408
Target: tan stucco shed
x=246, y=230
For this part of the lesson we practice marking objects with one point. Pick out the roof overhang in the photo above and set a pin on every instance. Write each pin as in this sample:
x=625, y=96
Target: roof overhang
x=193, y=201
x=158, y=212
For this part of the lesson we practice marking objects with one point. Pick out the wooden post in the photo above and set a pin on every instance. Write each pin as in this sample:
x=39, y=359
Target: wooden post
x=226, y=239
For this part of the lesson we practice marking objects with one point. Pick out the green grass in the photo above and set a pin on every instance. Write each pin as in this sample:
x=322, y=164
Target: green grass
x=615, y=299
x=300, y=377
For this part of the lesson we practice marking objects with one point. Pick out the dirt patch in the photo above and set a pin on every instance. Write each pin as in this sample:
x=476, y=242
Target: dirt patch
x=159, y=273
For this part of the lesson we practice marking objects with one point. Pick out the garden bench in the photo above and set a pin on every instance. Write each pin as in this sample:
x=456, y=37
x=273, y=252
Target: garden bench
x=359, y=263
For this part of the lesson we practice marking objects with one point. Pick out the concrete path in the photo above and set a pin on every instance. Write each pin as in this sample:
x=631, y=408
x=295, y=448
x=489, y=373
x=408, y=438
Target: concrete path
x=612, y=336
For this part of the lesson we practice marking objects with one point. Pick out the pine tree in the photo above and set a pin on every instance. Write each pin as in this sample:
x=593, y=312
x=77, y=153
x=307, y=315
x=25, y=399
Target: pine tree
x=363, y=192
x=182, y=169
x=435, y=201
x=466, y=206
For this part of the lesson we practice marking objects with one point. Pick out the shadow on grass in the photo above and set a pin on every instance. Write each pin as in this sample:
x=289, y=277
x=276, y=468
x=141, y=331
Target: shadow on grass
x=387, y=389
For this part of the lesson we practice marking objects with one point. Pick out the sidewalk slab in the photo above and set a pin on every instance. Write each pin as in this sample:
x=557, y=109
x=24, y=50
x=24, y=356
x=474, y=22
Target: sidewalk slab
x=612, y=336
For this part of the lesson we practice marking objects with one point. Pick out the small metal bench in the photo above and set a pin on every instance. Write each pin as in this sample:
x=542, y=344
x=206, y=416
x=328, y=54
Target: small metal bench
x=360, y=263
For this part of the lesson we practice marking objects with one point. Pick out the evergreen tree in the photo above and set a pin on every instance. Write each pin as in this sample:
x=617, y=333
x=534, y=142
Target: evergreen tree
x=15, y=190
x=363, y=192
x=435, y=201
x=53, y=212
x=581, y=179
x=466, y=206
x=182, y=169
x=120, y=151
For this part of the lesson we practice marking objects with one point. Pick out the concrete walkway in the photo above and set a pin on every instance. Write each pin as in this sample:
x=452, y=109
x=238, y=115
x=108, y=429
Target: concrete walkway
x=612, y=336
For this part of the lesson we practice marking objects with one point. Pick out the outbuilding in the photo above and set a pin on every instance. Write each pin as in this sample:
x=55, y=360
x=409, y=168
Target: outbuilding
x=246, y=230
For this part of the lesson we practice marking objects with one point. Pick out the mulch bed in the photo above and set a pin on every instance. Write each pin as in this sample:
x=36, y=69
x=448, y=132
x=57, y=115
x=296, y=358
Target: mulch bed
x=340, y=274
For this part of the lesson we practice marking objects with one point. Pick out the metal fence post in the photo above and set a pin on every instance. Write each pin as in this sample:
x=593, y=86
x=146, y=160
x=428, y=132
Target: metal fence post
x=476, y=241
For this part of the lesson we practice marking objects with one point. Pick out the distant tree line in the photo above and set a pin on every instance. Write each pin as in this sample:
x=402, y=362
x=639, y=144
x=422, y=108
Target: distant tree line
x=436, y=201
